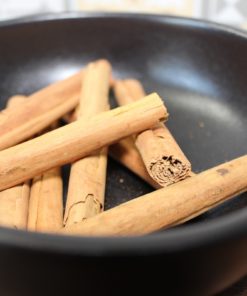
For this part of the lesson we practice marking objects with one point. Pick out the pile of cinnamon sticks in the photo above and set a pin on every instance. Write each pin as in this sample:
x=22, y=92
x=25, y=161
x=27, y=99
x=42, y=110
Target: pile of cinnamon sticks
x=34, y=146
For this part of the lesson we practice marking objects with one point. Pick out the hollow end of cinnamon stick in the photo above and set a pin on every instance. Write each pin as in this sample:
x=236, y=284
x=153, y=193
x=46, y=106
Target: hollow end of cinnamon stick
x=168, y=170
x=163, y=158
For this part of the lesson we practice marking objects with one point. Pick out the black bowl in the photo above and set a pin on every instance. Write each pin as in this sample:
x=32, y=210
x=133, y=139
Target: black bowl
x=200, y=70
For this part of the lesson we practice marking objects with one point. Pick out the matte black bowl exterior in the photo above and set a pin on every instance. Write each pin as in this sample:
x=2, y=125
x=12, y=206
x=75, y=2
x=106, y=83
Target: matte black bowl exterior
x=200, y=70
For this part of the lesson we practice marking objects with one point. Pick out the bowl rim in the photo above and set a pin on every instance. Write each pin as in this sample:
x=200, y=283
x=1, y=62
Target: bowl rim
x=162, y=18
x=202, y=234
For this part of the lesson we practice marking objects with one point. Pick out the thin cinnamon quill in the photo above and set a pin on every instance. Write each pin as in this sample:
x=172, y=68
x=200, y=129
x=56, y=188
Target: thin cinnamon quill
x=164, y=160
x=169, y=206
x=46, y=202
x=88, y=175
x=78, y=139
x=40, y=110
x=14, y=201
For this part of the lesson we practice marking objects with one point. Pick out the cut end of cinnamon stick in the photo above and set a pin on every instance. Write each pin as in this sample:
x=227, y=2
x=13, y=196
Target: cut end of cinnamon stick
x=169, y=170
x=163, y=158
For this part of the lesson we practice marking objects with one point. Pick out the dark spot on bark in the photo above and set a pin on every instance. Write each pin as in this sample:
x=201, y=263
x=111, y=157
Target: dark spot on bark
x=222, y=172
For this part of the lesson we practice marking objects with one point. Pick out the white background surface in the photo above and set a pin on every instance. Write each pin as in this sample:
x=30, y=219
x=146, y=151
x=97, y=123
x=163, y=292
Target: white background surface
x=232, y=12
x=17, y=8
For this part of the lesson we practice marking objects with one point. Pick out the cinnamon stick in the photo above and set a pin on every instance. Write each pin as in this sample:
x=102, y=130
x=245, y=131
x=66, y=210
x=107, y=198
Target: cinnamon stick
x=164, y=160
x=46, y=202
x=169, y=206
x=14, y=201
x=77, y=140
x=88, y=175
x=40, y=110
x=14, y=206
x=45, y=211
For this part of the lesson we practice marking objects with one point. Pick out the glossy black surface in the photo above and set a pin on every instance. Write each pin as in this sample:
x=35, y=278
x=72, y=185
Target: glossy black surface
x=200, y=71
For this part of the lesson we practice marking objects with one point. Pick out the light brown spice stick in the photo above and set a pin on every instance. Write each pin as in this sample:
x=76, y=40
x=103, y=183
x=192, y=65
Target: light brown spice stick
x=14, y=206
x=77, y=140
x=14, y=201
x=169, y=206
x=164, y=160
x=88, y=175
x=39, y=111
x=126, y=153
x=46, y=202
x=46, y=199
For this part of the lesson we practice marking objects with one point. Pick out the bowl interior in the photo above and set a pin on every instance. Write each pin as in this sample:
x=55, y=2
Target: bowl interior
x=199, y=70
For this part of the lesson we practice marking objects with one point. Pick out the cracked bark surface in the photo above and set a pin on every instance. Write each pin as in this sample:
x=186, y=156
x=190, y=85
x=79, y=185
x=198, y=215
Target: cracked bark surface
x=86, y=188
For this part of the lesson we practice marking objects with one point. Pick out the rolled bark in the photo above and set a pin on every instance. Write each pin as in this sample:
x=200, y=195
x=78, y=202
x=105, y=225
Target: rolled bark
x=39, y=111
x=14, y=206
x=164, y=160
x=169, y=206
x=77, y=140
x=88, y=175
x=46, y=202
x=14, y=201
